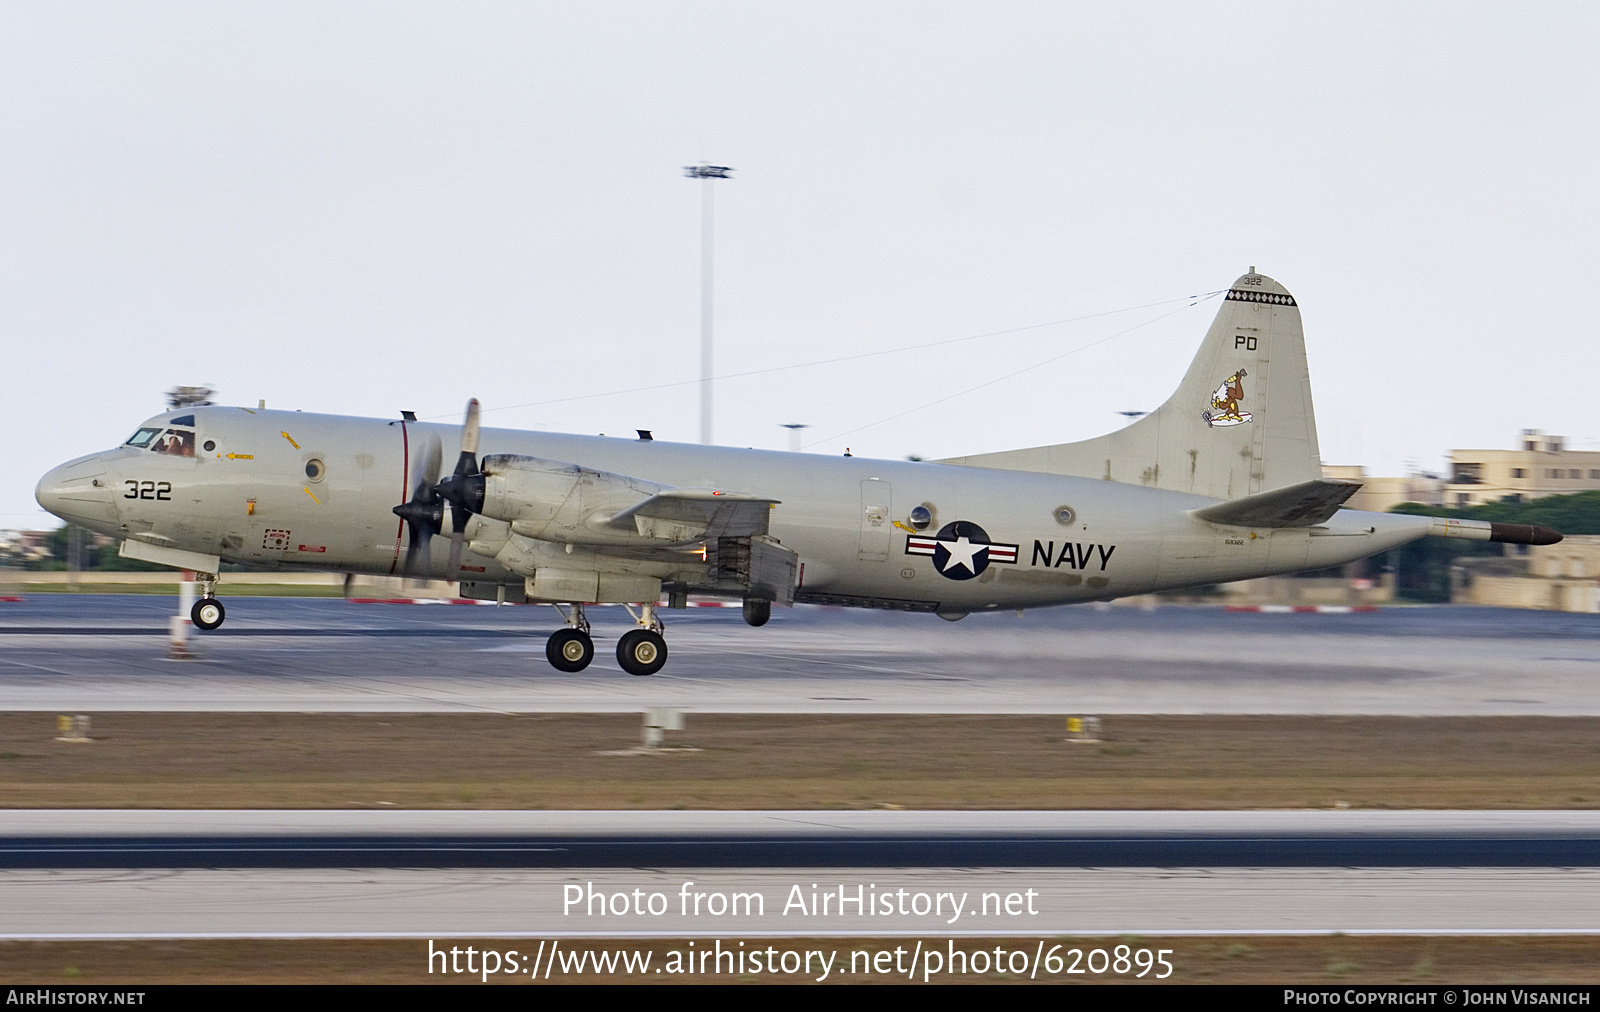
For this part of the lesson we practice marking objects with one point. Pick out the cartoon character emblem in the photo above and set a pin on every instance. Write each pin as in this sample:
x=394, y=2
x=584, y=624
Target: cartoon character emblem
x=1225, y=403
x=961, y=550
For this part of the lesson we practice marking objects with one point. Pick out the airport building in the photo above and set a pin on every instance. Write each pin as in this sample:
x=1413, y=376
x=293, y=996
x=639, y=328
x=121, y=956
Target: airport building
x=1559, y=577
x=1541, y=466
x=1379, y=495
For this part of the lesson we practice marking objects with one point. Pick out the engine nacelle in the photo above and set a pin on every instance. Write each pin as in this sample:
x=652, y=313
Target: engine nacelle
x=565, y=503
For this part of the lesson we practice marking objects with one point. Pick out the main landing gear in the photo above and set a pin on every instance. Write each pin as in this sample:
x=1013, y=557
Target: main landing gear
x=641, y=651
x=571, y=649
x=207, y=613
x=756, y=611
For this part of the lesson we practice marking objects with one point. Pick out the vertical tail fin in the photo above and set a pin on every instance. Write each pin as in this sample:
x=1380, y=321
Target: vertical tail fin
x=1241, y=421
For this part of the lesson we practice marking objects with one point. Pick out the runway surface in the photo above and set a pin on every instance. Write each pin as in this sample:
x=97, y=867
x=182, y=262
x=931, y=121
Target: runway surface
x=378, y=839
x=1213, y=873
x=478, y=903
x=98, y=653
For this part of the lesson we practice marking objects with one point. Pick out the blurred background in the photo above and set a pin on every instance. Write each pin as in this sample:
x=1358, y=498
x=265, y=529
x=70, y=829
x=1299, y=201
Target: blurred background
x=360, y=209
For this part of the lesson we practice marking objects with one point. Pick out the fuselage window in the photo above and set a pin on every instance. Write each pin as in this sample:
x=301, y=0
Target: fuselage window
x=142, y=437
x=175, y=442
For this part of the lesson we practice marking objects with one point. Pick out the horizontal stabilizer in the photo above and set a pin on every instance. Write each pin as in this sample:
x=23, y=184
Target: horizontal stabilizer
x=1301, y=505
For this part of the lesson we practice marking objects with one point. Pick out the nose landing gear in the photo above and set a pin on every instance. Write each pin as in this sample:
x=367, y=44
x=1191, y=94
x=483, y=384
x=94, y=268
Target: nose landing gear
x=207, y=613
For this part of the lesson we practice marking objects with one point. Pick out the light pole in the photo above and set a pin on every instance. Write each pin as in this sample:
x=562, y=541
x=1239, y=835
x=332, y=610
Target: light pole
x=794, y=433
x=705, y=173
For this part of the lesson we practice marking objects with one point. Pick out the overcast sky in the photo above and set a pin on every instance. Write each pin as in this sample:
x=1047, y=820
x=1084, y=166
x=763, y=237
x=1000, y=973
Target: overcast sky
x=362, y=208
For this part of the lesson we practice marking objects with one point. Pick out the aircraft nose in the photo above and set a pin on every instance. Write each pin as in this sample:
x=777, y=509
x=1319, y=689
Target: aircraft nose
x=78, y=492
x=48, y=491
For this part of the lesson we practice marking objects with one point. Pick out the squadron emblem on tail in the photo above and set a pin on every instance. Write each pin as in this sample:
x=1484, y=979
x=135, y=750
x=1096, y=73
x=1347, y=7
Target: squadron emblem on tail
x=1225, y=403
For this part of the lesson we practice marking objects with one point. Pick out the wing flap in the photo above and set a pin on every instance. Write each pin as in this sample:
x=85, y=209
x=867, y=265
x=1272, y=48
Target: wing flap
x=689, y=514
x=1299, y=505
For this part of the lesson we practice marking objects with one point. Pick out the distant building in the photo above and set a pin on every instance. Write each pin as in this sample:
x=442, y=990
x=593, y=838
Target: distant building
x=1379, y=495
x=1541, y=466
x=24, y=546
x=1559, y=577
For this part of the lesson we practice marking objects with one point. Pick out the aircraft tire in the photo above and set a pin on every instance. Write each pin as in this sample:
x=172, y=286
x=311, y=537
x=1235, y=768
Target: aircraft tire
x=207, y=613
x=756, y=611
x=641, y=652
x=569, y=650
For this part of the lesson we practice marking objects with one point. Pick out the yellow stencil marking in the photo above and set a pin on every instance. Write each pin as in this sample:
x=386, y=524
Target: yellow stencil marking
x=313, y=496
x=249, y=507
x=240, y=456
x=903, y=527
x=290, y=438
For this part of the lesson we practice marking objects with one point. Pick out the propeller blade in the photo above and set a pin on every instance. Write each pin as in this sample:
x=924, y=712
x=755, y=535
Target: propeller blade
x=469, y=429
x=456, y=542
x=467, y=463
x=417, y=561
x=463, y=489
x=432, y=459
x=424, y=513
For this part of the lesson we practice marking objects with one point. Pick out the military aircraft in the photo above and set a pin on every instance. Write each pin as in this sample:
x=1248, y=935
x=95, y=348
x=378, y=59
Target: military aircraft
x=1222, y=482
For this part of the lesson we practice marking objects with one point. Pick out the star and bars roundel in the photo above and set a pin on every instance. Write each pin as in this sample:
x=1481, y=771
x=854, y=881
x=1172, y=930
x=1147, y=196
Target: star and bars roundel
x=961, y=550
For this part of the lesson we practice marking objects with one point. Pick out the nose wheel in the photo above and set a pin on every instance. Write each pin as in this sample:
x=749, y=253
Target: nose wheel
x=207, y=613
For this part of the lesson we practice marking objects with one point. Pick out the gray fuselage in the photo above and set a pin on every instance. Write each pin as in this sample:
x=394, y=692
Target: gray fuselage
x=290, y=489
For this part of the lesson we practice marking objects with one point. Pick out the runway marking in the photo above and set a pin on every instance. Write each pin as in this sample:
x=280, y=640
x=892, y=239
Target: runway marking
x=36, y=667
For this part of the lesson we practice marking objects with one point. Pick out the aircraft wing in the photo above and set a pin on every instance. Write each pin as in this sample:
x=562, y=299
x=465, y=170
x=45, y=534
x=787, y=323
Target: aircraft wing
x=570, y=504
x=688, y=514
x=1301, y=505
x=568, y=526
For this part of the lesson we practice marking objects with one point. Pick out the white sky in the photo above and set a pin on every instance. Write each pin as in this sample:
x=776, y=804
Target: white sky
x=361, y=207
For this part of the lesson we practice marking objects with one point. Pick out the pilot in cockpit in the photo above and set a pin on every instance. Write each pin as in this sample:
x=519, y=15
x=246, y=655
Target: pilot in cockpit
x=174, y=442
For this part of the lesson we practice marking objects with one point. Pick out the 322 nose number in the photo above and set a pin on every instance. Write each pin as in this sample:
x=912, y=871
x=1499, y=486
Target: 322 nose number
x=148, y=490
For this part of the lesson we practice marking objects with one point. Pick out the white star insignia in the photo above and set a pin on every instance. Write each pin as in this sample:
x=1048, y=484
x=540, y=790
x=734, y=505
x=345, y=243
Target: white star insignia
x=961, y=552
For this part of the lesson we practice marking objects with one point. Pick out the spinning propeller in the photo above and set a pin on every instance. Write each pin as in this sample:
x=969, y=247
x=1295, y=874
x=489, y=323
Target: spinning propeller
x=463, y=490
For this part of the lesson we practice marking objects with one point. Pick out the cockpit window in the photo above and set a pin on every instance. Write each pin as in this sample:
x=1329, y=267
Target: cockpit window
x=175, y=442
x=182, y=420
x=142, y=437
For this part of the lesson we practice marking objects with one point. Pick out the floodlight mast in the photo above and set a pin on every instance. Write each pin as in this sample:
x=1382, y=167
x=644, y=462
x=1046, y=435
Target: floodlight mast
x=794, y=433
x=705, y=173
